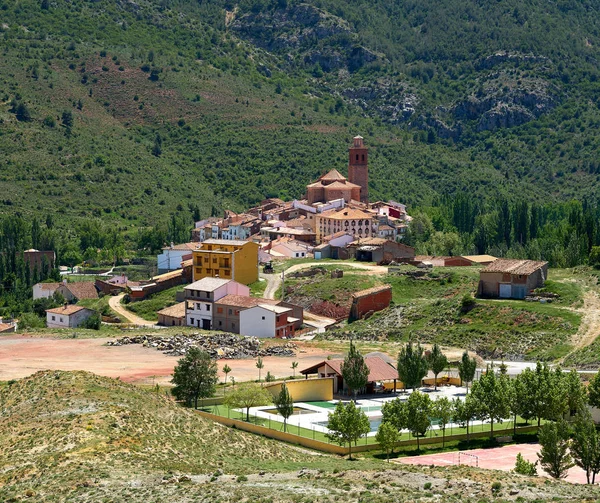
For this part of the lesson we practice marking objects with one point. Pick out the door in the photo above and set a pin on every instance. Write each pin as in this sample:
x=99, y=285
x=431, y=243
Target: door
x=505, y=291
x=206, y=324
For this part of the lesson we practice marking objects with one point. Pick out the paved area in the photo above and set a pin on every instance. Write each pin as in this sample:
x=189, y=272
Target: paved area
x=499, y=458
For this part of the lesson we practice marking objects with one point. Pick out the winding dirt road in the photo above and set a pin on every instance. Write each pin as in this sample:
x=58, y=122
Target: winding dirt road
x=115, y=305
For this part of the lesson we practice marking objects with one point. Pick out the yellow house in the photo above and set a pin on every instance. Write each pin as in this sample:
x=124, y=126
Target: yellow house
x=226, y=259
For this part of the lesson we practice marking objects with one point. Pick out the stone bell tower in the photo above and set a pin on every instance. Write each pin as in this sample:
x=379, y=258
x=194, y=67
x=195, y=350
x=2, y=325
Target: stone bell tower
x=358, y=168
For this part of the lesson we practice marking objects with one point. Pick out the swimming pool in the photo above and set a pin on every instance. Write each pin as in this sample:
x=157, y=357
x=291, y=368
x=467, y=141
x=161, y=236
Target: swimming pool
x=373, y=421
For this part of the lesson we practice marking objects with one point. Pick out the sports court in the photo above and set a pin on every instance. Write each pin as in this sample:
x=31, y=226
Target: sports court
x=498, y=458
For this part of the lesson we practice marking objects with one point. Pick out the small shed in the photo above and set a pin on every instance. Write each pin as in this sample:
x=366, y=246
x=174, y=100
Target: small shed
x=511, y=278
x=172, y=316
x=366, y=302
x=67, y=316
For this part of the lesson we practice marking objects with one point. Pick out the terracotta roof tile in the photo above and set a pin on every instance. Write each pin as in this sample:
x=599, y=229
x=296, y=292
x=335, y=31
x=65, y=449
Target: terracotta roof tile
x=512, y=266
x=379, y=370
x=67, y=310
x=83, y=290
x=175, y=311
x=244, y=302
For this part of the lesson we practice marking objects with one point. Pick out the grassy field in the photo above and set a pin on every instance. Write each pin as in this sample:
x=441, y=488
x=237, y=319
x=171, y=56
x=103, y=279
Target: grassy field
x=147, y=308
x=428, y=307
x=76, y=437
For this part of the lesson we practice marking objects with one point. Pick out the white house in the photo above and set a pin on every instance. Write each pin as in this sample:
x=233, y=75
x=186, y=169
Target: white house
x=67, y=316
x=289, y=248
x=171, y=257
x=266, y=320
x=44, y=290
x=201, y=295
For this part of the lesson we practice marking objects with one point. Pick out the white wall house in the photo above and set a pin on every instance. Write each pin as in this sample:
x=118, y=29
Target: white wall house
x=267, y=321
x=171, y=257
x=44, y=290
x=201, y=295
x=67, y=316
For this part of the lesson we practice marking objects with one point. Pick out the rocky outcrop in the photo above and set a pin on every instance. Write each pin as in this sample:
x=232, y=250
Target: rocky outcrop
x=393, y=103
x=502, y=57
x=308, y=34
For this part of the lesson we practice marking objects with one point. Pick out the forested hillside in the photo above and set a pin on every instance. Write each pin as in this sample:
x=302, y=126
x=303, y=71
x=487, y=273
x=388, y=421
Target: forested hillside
x=127, y=111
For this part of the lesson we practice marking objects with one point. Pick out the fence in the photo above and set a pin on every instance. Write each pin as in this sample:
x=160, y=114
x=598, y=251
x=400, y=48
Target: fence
x=316, y=440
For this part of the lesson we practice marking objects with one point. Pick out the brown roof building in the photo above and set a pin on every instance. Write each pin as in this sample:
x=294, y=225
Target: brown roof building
x=511, y=278
x=172, y=316
x=379, y=370
x=331, y=186
x=74, y=292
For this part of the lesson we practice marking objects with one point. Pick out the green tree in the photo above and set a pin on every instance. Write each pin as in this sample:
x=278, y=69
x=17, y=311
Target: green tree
x=194, y=377
x=226, y=369
x=284, y=404
x=294, y=367
x=594, y=391
x=354, y=370
x=347, y=424
x=466, y=369
x=554, y=453
x=412, y=365
x=490, y=396
x=437, y=362
x=247, y=395
x=576, y=395
x=443, y=410
x=464, y=412
x=585, y=446
x=259, y=365
x=418, y=412
x=394, y=412
x=387, y=437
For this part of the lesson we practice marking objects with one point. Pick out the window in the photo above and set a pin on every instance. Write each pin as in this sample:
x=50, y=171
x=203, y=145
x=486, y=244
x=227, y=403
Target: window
x=198, y=307
x=214, y=260
x=191, y=321
x=220, y=323
x=208, y=295
x=208, y=307
x=263, y=317
x=230, y=311
x=233, y=326
x=60, y=319
x=357, y=157
x=53, y=318
x=220, y=310
x=363, y=157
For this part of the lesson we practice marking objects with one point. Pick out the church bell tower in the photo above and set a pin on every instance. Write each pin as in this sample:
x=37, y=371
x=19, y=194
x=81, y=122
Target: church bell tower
x=358, y=168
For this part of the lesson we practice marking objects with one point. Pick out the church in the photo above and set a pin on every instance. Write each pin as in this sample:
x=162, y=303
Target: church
x=334, y=185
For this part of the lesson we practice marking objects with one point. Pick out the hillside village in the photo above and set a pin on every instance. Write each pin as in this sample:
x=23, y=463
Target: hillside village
x=324, y=270
x=335, y=220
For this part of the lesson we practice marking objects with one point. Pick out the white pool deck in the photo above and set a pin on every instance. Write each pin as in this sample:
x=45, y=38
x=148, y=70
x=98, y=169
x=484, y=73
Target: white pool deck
x=371, y=406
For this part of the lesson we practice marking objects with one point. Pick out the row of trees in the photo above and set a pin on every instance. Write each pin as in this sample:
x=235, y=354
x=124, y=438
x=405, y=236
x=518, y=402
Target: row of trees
x=564, y=234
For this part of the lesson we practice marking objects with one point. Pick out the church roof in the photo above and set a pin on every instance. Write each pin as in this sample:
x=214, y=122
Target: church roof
x=342, y=185
x=333, y=175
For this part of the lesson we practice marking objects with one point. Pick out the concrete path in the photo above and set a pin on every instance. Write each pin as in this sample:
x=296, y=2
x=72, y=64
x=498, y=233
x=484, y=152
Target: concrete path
x=115, y=305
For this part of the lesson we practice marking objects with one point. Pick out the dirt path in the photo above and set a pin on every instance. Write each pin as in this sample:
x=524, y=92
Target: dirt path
x=589, y=329
x=115, y=305
x=273, y=284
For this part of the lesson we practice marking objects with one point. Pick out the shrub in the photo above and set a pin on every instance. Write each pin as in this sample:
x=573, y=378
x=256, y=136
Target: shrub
x=496, y=486
x=270, y=377
x=242, y=478
x=427, y=486
x=31, y=320
x=93, y=322
x=467, y=303
x=525, y=467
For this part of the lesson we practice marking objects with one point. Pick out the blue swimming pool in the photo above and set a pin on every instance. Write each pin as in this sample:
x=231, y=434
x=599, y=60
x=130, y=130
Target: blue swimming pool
x=373, y=421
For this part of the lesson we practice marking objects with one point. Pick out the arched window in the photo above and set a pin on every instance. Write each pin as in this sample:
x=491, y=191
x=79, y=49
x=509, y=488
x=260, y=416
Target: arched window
x=357, y=157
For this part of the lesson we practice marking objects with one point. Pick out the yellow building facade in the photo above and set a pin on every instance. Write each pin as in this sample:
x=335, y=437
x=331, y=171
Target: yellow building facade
x=357, y=222
x=226, y=259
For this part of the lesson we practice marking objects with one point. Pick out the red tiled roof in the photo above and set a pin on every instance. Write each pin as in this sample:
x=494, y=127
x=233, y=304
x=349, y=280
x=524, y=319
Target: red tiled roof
x=83, y=290
x=511, y=266
x=49, y=286
x=175, y=311
x=66, y=310
x=244, y=302
x=379, y=370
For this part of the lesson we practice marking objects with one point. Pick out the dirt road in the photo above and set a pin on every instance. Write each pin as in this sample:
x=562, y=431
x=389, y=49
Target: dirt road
x=115, y=305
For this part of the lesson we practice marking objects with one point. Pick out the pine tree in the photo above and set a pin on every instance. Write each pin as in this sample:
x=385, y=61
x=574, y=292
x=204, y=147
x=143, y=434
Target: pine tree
x=554, y=453
x=354, y=370
x=194, y=377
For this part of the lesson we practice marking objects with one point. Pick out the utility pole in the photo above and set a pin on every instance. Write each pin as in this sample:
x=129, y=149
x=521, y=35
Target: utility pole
x=283, y=286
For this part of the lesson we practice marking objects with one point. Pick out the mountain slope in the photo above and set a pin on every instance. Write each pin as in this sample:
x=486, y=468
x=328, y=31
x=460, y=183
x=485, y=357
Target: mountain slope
x=171, y=104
